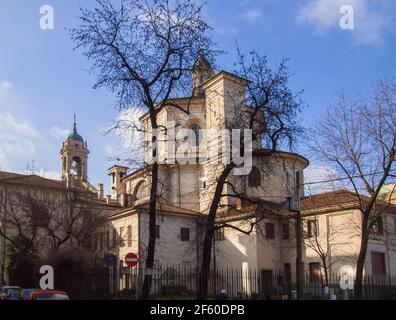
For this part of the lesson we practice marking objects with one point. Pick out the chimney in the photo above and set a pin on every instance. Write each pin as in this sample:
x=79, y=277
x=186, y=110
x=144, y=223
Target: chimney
x=122, y=199
x=100, y=191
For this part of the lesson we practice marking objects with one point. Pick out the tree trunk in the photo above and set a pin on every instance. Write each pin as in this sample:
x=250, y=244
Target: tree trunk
x=299, y=262
x=152, y=221
x=326, y=273
x=210, y=228
x=361, y=260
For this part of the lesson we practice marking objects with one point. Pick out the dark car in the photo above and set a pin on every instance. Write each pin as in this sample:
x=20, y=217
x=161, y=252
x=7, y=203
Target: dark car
x=26, y=293
x=49, y=295
x=11, y=292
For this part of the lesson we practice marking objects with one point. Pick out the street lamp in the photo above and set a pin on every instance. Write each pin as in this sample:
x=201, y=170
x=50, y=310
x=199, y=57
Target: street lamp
x=294, y=206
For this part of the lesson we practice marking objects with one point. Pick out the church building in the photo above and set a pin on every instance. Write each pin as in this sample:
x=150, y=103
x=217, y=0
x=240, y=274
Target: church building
x=248, y=236
x=259, y=237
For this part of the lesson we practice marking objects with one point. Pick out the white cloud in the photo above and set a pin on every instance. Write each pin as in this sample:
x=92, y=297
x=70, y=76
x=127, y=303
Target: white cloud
x=371, y=18
x=20, y=139
x=252, y=15
x=129, y=135
x=55, y=175
x=17, y=139
x=317, y=173
x=59, y=133
x=5, y=86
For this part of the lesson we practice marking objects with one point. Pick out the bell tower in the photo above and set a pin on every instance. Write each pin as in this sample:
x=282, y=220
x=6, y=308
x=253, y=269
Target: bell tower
x=201, y=72
x=74, y=156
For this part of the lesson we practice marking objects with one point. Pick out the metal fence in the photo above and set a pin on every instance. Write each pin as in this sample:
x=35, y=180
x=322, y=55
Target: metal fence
x=181, y=282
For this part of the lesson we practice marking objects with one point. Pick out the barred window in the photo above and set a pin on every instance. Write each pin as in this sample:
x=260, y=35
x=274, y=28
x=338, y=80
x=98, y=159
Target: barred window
x=185, y=234
x=122, y=243
x=219, y=234
x=270, y=230
x=254, y=178
x=114, y=244
x=129, y=236
x=157, y=231
x=312, y=228
x=285, y=231
x=108, y=239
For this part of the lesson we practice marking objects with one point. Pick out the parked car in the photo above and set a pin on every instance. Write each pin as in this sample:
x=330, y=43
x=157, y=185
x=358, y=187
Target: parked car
x=49, y=295
x=26, y=293
x=11, y=292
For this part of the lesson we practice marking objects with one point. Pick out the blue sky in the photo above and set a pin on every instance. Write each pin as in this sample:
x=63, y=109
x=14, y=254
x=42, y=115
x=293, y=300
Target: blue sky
x=42, y=80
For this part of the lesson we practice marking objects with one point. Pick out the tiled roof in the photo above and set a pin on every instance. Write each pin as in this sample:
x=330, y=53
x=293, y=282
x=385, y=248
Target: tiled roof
x=335, y=201
x=31, y=180
x=86, y=194
x=266, y=152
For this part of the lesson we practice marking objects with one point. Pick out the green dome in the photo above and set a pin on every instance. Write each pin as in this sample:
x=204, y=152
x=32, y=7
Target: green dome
x=74, y=135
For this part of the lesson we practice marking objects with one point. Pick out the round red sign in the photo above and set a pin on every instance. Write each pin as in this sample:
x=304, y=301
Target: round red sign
x=131, y=259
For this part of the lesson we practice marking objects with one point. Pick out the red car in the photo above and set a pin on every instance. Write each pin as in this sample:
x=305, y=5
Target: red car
x=49, y=295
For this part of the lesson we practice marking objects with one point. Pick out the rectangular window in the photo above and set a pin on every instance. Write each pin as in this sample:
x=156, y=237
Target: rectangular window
x=88, y=243
x=379, y=226
x=122, y=243
x=312, y=228
x=378, y=263
x=108, y=239
x=101, y=240
x=270, y=230
x=96, y=242
x=185, y=234
x=314, y=271
x=219, y=235
x=394, y=225
x=114, y=244
x=285, y=231
x=129, y=236
x=157, y=231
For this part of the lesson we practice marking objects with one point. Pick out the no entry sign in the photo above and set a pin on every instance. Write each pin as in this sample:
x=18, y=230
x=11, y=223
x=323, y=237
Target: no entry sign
x=131, y=259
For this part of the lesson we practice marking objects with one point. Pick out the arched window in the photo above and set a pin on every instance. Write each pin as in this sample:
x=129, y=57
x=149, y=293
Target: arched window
x=141, y=191
x=76, y=166
x=197, y=137
x=254, y=178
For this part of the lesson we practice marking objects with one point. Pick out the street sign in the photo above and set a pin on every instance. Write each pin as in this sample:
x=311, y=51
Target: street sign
x=110, y=260
x=131, y=259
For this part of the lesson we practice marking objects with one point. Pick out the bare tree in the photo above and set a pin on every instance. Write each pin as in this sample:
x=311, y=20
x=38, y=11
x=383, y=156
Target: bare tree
x=143, y=51
x=76, y=220
x=270, y=109
x=38, y=224
x=357, y=138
